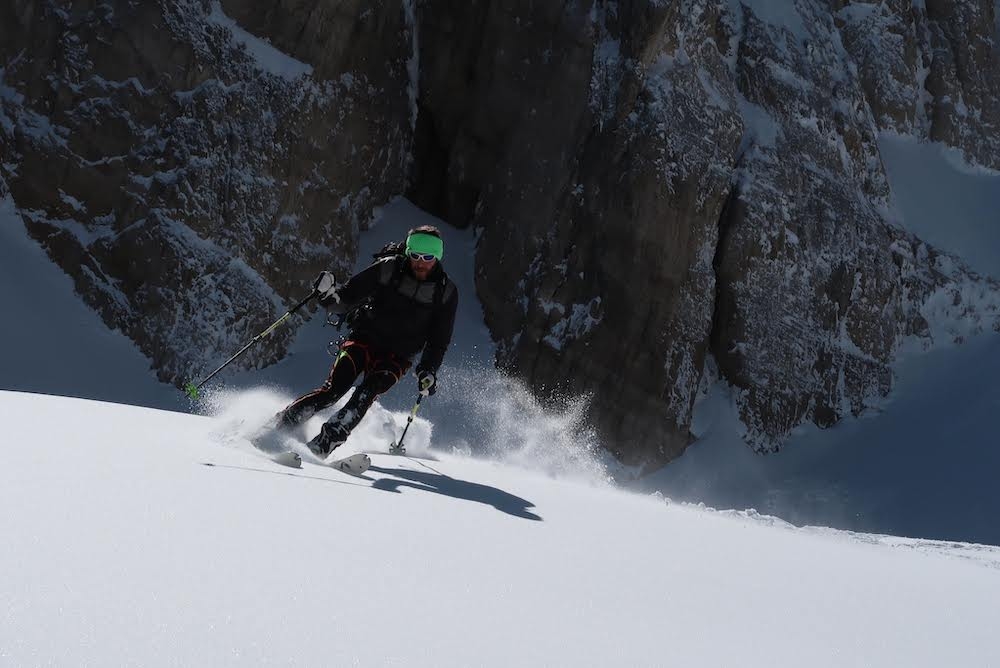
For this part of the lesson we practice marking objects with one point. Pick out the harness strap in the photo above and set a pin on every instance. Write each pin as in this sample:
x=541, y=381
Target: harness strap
x=387, y=362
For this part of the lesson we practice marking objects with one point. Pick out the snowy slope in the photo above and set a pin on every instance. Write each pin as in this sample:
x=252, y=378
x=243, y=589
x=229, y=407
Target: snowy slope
x=944, y=201
x=138, y=537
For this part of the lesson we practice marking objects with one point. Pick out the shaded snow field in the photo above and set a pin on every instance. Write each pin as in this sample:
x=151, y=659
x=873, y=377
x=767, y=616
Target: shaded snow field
x=944, y=201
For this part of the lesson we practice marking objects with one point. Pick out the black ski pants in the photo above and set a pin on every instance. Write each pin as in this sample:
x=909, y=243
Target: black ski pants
x=381, y=370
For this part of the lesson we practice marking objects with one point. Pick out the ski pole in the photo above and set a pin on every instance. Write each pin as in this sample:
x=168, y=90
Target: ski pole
x=192, y=389
x=397, y=447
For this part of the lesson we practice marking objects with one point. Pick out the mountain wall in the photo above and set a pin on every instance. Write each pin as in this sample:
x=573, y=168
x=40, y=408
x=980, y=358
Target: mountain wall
x=191, y=177
x=667, y=192
x=660, y=184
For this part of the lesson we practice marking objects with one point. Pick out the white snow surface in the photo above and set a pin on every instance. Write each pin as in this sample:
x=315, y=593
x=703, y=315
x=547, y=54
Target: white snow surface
x=135, y=536
x=268, y=58
x=944, y=201
x=782, y=15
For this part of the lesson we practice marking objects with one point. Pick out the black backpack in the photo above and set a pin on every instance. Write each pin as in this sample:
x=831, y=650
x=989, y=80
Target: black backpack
x=390, y=249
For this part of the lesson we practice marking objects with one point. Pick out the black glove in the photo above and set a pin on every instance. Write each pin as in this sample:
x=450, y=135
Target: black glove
x=426, y=382
x=326, y=288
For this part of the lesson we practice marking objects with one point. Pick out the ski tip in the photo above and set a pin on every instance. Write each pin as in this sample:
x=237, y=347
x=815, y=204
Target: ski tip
x=288, y=458
x=355, y=464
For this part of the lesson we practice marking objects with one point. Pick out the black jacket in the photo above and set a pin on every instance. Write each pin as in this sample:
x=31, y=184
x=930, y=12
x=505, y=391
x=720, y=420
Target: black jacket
x=398, y=313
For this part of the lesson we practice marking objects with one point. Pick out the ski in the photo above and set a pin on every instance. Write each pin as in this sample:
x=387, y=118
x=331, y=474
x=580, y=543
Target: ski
x=286, y=458
x=354, y=464
x=265, y=444
x=268, y=444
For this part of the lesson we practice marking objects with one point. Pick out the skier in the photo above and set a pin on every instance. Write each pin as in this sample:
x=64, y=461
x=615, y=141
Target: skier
x=401, y=305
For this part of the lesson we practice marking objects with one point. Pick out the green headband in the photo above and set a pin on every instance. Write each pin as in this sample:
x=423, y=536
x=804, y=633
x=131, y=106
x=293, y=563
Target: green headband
x=418, y=242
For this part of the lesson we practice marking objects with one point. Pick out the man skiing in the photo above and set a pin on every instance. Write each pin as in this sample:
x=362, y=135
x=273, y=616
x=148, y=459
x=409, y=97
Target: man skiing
x=401, y=305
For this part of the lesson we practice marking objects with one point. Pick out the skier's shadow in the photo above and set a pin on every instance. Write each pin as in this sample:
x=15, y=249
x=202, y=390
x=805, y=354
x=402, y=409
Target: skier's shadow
x=455, y=488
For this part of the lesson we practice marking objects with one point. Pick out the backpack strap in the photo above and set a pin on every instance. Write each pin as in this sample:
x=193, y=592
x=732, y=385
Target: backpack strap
x=443, y=291
x=390, y=249
x=390, y=271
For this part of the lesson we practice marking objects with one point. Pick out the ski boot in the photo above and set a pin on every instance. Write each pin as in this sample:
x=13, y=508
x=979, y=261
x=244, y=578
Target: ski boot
x=330, y=437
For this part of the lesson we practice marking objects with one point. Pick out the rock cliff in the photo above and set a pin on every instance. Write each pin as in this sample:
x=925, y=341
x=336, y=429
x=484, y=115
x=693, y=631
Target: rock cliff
x=659, y=183
x=190, y=176
x=671, y=191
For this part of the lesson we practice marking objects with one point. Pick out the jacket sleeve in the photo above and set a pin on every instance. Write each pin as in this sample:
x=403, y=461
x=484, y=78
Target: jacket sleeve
x=357, y=289
x=439, y=337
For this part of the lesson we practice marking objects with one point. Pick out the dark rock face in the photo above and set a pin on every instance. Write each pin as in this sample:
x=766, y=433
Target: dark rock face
x=599, y=191
x=808, y=193
x=657, y=185
x=930, y=73
x=188, y=183
x=660, y=182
